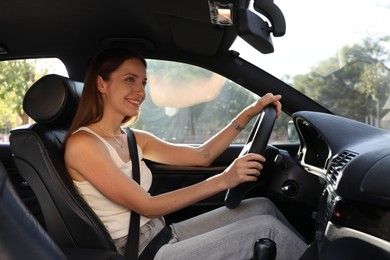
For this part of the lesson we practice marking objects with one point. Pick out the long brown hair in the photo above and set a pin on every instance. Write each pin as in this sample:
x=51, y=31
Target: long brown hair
x=90, y=108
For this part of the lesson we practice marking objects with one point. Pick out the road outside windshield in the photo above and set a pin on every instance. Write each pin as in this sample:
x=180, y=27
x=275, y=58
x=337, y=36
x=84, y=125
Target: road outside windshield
x=336, y=52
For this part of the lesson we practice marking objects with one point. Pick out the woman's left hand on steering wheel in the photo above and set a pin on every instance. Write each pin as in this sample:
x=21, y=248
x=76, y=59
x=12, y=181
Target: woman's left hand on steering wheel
x=243, y=169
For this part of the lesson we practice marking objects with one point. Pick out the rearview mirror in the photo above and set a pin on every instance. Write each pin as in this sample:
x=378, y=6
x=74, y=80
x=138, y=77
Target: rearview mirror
x=273, y=14
x=255, y=31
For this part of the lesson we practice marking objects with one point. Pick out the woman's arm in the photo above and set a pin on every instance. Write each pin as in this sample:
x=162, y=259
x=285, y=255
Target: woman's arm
x=98, y=168
x=159, y=151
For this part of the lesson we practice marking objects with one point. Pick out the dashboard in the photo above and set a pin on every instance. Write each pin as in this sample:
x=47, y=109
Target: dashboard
x=353, y=159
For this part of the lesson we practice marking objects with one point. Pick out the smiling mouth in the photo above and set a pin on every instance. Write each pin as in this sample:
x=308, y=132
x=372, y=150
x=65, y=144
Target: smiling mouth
x=136, y=103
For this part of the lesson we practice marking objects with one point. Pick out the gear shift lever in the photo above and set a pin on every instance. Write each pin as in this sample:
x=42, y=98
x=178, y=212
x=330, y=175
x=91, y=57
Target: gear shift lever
x=264, y=249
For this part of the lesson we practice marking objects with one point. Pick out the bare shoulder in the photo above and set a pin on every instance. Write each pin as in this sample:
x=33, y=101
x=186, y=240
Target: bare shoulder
x=83, y=149
x=83, y=143
x=79, y=139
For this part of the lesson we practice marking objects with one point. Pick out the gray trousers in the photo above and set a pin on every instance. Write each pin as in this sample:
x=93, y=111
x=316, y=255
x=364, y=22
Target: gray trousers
x=231, y=234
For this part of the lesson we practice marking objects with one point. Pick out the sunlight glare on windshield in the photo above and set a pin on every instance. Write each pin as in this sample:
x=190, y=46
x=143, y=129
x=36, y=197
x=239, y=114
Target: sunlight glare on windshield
x=317, y=30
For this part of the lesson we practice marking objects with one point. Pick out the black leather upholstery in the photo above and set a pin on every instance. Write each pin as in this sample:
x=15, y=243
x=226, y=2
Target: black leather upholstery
x=53, y=100
x=21, y=236
x=37, y=148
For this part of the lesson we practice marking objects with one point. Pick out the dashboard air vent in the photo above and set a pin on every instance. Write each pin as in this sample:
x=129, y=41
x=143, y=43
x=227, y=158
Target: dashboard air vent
x=337, y=165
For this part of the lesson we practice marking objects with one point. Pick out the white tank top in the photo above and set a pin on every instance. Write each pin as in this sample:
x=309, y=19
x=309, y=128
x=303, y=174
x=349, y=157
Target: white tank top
x=116, y=218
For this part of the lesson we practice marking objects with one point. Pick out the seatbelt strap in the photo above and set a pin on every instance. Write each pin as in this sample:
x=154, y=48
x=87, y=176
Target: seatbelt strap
x=131, y=250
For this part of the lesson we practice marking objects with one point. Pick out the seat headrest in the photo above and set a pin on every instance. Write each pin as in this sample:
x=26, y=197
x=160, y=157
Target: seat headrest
x=53, y=99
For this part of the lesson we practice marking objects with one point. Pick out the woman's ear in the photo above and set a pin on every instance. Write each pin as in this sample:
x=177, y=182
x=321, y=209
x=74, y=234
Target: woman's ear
x=101, y=86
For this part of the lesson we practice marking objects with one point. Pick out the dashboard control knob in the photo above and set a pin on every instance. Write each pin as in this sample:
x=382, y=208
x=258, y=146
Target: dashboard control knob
x=290, y=188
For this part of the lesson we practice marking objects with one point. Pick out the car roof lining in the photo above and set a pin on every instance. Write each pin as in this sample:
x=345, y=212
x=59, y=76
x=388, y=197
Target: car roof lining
x=107, y=21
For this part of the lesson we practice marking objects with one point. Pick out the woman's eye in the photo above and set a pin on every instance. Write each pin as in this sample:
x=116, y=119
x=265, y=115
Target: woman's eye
x=130, y=79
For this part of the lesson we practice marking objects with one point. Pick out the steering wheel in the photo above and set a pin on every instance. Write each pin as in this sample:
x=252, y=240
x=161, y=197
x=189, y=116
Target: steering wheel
x=256, y=143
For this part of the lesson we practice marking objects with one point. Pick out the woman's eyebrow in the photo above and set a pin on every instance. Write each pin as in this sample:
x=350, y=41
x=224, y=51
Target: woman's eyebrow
x=134, y=75
x=131, y=74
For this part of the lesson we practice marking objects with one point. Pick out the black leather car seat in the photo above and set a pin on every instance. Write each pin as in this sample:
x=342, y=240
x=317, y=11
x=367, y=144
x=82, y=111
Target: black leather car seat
x=21, y=236
x=52, y=102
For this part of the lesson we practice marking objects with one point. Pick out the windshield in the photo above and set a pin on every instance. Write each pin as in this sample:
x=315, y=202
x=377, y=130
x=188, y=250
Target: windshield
x=337, y=53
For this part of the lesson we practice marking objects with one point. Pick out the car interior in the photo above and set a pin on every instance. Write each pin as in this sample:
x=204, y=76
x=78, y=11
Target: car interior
x=331, y=182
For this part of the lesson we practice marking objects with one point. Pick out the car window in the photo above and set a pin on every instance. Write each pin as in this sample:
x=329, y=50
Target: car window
x=188, y=104
x=337, y=53
x=16, y=76
x=185, y=104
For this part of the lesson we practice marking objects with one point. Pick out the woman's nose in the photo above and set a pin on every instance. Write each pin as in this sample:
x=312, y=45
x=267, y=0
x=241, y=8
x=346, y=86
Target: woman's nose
x=140, y=89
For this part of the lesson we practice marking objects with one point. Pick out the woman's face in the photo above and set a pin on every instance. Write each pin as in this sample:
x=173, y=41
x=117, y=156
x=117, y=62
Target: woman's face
x=124, y=92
